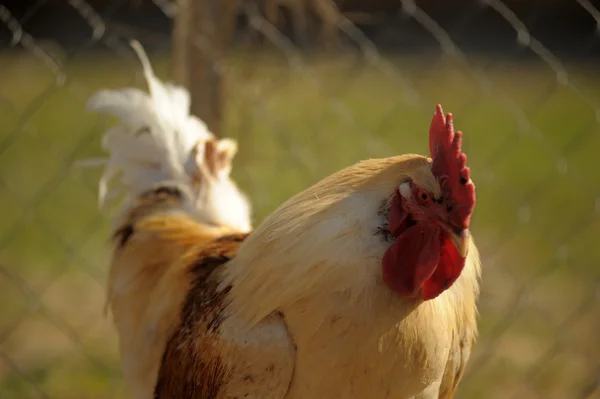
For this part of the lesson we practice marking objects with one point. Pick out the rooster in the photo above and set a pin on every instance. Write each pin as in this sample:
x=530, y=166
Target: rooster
x=361, y=286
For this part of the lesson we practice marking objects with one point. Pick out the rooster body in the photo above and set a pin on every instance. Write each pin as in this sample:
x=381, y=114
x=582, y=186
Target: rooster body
x=354, y=337
x=301, y=307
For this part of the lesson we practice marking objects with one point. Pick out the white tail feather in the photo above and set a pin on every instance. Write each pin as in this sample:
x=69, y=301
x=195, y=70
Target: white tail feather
x=159, y=141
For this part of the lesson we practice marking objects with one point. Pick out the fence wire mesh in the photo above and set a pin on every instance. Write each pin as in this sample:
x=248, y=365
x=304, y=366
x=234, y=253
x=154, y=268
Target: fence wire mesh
x=312, y=87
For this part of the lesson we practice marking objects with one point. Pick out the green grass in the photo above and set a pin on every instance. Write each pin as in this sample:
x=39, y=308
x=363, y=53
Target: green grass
x=532, y=152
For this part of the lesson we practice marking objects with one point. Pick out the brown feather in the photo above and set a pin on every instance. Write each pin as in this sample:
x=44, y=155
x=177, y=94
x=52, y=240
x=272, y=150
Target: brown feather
x=191, y=367
x=149, y=278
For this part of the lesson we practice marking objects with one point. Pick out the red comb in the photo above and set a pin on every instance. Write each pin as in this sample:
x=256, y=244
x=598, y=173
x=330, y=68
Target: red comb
x=450, y=167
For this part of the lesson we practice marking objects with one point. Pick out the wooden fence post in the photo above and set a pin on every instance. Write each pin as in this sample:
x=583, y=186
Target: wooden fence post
x=202, y=35
x=180, y=39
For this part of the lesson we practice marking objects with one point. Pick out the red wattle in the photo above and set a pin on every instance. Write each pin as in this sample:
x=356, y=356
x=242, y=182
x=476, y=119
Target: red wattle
x=421, y=259
x=412, y=259
x=449, y=267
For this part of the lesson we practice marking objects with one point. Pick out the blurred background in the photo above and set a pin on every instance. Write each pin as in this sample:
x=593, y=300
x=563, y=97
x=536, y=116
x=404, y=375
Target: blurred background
x=308, y=87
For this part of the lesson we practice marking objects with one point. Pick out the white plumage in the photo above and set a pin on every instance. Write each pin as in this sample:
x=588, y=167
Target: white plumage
x=158, y=141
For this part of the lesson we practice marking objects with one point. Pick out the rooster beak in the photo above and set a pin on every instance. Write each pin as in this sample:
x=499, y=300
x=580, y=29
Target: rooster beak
x=460, y=239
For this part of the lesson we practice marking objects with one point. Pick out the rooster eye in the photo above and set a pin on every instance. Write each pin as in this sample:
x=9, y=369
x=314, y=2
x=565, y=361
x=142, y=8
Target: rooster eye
x=423, y=197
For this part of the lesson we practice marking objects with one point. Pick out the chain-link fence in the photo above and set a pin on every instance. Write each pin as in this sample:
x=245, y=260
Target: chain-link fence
x=311, y=87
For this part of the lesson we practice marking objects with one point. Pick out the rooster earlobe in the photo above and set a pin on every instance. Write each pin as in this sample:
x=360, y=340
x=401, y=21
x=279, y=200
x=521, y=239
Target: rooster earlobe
x=397, y=215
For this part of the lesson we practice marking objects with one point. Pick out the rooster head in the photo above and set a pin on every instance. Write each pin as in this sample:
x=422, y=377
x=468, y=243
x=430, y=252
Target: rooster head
x=429, y=218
